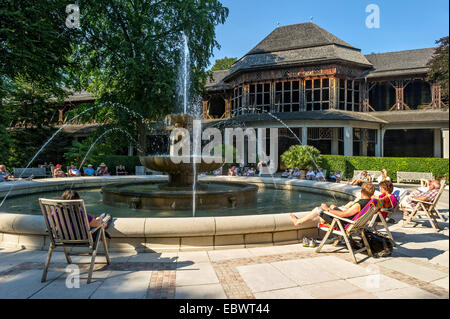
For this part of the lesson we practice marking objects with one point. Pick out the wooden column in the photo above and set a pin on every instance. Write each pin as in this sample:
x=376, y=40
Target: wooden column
x=436, y=99
x=205, y=112
x=227, y=113
x=399, y=87
x=365, y=94
x=60, y=116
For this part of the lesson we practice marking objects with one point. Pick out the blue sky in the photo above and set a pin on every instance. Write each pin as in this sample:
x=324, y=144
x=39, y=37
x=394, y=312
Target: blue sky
x=404, y=24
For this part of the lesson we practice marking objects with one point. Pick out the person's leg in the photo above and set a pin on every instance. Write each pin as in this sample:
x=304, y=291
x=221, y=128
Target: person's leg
x=311, y=216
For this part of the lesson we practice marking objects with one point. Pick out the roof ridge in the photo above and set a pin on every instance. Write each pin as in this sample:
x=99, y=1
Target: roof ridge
x=401, y=51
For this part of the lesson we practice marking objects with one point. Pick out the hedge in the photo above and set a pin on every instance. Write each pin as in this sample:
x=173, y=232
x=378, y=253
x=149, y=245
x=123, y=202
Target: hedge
x=130, y=163
x=347, y=164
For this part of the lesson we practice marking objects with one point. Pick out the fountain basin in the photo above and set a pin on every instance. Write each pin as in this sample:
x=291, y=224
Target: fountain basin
x=156, y=195
x=181, y=169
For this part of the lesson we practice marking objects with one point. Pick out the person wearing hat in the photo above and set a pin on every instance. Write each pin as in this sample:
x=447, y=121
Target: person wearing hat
x=58, y=172
x=89, y=171
x=102, y=170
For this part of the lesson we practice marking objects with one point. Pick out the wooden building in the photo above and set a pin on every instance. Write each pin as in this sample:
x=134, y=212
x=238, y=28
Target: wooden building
x=332, y=96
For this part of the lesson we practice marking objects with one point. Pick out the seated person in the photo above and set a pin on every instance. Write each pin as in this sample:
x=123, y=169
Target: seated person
x=383, y=176
x=73, y=171
x=102, y=170
x=121, y=170
x=389, y=199
x=6, y=176
x=320, y=176
x=427, y=196
x=72, y=195
x=286, y=173
x=58, y=172
x=336, y=176
x=251, y=172
x=350, y=210
x=232, y=171
x=89, y=171
x=296, y=173
x=217, y=172
x=364, y=178
x=310, y=175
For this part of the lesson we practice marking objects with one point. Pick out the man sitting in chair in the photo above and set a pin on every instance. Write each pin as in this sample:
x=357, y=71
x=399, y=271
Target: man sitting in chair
x=348, y=211
x=428, y=196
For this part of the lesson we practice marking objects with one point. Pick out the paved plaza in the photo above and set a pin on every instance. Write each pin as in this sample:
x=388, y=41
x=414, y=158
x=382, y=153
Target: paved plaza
x=418, y=268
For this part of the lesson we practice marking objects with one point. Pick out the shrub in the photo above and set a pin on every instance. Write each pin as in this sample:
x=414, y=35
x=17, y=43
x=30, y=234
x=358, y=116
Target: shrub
x=347, y=164
x=301, y=156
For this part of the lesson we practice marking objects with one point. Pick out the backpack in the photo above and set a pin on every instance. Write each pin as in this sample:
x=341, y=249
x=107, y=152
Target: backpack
x=380, y=245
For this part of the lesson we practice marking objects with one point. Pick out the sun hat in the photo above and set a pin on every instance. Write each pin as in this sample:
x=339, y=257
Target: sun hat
x=102, y=164
x=90, y=165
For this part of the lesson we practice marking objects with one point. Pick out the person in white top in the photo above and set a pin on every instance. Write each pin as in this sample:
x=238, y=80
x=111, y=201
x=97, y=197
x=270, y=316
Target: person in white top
x=296, y=173
x=310, y=175
x=383, y=176
x=336, y=177
x=320, y=176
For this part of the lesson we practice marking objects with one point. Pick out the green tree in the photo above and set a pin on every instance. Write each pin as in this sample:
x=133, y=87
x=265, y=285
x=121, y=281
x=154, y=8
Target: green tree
x=130, y=52
x=301, y=156
x=223, y=64
x=439, y=66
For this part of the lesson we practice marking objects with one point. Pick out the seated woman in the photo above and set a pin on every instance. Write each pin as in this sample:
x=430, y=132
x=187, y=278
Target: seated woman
x=388, y=199
x=296, y=173
x=58, y=172
x=350, y=210
x=364, y=178
x=384, y=176
x=102, y=170
x=72, y=195
x=73, y=171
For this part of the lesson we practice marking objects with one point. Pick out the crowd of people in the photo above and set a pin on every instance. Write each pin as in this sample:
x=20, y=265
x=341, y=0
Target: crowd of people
x=312, y=175
x=57, y=171
x=243, y=170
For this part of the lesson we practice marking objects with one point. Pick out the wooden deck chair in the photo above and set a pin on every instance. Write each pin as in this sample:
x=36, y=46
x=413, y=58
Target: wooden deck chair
x=356, y=227
x=68, y=226
x=378, y=220
x=428, y=209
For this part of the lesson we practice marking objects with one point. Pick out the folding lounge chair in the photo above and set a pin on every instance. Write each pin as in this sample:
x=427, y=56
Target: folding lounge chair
x=430, y=212
x=355, y=227
x=68, y=226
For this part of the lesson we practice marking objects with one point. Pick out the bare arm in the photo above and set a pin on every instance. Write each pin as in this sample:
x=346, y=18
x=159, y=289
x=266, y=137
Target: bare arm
x=346, y=213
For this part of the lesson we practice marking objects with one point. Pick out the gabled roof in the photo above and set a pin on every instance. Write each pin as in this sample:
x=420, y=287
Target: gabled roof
x=217, y=81
x=399, y=62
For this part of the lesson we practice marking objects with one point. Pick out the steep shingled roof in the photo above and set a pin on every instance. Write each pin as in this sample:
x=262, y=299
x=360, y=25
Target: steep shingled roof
x=216, y=83
x=399, y=62
x=299, y=44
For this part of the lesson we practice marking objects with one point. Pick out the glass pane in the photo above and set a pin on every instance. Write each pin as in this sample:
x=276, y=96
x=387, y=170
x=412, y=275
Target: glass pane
x=356, y=85
x=295, y=97
x=266, y=98
x=295, y=107
x=295, y=85
x=259, y=99
x=356, y=97
x=316, y=106
x=287, y=97
x=317, y=83
x=267, y=87
x=316, y=95
x=325, y=106
x=278, y=98
x=325, y=83
x=286, y=108
x=308, y=84
x=308, y=96
x=278, y=86
x=349, y=96
x=259, y=87
x=342, y=95
x=325, y=95
x=342, y=105
x=309, y=106
x=252, y=88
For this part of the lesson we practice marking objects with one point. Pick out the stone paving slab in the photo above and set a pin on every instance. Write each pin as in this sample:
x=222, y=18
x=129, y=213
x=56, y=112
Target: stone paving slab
x=338, y=289
x=194, y=256
x=412, y=269
x=25, y=284
x=124, y=285
x=288, y=293
x=405, y=293
x=220, y=255
x=303, y=272
x=377, y=283
x=211, y=291
x=264, y=277
x=189, y=274
x=444, y=283
x=154, y=257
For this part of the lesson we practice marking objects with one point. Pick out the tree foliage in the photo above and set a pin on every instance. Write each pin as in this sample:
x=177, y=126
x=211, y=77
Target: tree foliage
x=130, y=53
x=439, y=66
x=223, y=64
x=301, y=156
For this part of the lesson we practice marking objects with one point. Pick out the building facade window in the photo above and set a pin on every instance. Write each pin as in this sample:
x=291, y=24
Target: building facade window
x=288, y=96
x=317, y=94
x=349, y=95
x=236, y=101
x=259, y=98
